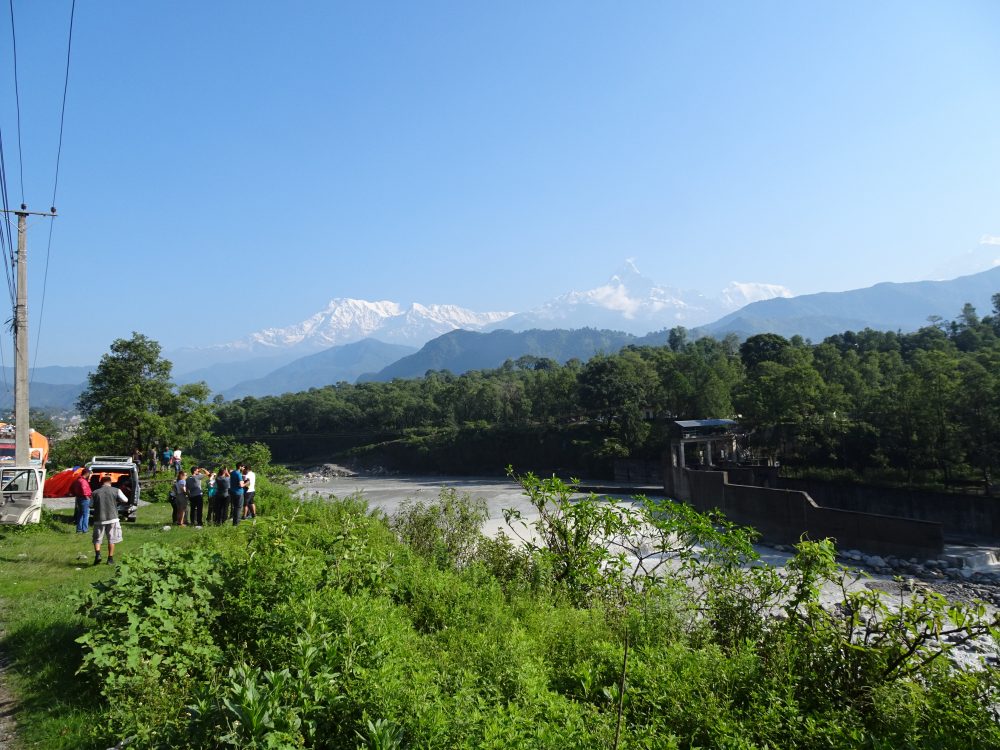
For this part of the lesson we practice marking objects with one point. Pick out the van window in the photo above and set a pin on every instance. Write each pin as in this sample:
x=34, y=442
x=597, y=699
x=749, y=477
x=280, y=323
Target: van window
x=24, y=480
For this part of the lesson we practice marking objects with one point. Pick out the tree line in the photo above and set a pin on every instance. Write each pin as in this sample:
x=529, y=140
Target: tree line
x=921, y=406
x=918, y=407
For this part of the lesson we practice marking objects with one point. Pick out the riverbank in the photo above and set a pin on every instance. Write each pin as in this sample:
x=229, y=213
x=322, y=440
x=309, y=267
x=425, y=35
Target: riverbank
x=896, y=578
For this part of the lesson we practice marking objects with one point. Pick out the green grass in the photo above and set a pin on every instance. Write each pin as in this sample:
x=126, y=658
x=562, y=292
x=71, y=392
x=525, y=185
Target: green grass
x=42, y=569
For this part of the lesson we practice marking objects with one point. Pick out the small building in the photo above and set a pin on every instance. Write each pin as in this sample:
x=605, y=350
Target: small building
x=711, y=441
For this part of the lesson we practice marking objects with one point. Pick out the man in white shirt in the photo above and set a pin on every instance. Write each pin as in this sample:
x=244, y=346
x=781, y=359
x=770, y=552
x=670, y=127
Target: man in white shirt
x=250, y=485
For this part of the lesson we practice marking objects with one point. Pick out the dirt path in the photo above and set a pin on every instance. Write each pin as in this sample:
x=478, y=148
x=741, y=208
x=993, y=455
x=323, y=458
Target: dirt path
x=8, y=706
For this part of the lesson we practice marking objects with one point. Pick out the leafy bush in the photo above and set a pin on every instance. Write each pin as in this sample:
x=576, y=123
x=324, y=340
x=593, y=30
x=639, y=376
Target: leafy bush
x=151, y=633
x=330, y=632
x=446, y=531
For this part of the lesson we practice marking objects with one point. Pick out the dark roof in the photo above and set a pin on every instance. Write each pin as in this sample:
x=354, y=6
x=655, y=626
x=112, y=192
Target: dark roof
x=688, y=423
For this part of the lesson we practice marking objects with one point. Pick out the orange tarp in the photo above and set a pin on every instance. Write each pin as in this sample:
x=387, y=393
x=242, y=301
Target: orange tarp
x=58, y=484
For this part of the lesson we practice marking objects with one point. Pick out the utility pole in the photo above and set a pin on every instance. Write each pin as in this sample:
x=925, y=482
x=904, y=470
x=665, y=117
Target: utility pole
x=22, y=447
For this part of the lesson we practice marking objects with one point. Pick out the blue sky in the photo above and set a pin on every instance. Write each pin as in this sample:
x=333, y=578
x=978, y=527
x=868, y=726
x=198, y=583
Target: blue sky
x=234, y=165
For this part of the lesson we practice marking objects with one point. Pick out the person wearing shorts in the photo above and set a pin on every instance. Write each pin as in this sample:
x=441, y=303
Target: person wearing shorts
x=250, y=487
x=180, y=499
x=106, y=523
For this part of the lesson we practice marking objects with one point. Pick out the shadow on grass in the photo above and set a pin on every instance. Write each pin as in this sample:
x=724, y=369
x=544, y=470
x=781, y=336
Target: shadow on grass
x=45, y=656
x=53, y=709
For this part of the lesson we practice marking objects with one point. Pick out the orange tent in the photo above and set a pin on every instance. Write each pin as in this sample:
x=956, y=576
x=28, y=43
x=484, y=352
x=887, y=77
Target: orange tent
x=58, y=484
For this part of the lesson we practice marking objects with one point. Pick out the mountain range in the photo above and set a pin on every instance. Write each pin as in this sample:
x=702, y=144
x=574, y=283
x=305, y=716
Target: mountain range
x=884, y=307
x=354, y=339
x=635, y=304
x=461, y=351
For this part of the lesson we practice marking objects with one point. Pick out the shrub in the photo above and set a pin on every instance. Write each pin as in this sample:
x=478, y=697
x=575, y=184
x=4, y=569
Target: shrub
x=331, y=632
x=445, y=531
x=150, y=635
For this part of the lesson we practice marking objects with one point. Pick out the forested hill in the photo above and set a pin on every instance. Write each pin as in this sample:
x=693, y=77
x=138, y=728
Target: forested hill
x=923, y=406
x=344, y=362
x=461, y=351
x=884, y=307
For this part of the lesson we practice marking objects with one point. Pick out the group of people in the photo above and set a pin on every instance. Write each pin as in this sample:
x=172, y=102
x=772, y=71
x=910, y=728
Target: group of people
x=168, y=458
x=229, y=493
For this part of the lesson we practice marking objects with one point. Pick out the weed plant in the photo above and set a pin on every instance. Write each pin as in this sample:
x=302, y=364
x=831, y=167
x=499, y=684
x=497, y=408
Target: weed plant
x=594, y=625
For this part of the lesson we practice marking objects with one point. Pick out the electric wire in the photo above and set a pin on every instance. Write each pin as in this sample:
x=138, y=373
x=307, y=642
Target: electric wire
x=6, y=265
x=55, y=188
x=62, y=113
x=41, y=307
x=8, y=250
x=7, y=242
x=3, y=369
x=17, y=99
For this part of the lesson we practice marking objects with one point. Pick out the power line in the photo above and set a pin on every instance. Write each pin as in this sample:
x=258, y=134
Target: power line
x=62, y=114
x=41, y=307
x=55, y=188
x=17, y=99
x=9, y=250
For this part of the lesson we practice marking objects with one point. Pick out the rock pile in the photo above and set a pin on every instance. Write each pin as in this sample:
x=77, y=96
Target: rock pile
x=948, y=575
x=326, y=471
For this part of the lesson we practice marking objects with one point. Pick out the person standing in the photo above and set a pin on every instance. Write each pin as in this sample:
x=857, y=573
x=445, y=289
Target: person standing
x=81, y=509
x=195, y=497
x=152, y=460
x=177, y=461
x=250, y=485
x=210, y=496
x=221, y=500
x=180, y=499
x=236, y=494
x=106, y=523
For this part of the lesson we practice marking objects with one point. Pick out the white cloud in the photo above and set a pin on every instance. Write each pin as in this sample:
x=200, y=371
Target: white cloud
x=740, y=293
x=989, y=239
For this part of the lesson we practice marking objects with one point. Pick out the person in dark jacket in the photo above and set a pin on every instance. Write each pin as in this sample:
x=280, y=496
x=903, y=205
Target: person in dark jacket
x=220, y=502
x=236, y=495
x=106, y=523
x=195, y=496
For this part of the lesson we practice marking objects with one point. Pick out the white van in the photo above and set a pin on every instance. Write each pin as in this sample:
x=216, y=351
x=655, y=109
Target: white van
x=124, y=475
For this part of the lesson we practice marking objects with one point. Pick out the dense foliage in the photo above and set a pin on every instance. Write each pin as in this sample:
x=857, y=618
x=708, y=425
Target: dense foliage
x=131, y=404
x=922, y=406
x=328, y=626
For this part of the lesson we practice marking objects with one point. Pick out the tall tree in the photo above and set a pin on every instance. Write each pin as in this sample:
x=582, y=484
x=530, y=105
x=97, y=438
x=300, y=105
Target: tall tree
x=130, y=402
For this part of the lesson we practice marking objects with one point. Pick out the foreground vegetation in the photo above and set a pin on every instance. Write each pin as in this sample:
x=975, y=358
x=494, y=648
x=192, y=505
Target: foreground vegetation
x=326, y=625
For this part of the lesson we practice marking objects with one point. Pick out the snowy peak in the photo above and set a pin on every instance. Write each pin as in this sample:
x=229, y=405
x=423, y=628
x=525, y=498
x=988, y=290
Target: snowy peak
x=738, y=294
x=635, y=303
x=345, y=320
x=628, y=301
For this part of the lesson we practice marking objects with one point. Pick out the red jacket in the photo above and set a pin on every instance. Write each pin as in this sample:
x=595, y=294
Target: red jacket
x=81, y=488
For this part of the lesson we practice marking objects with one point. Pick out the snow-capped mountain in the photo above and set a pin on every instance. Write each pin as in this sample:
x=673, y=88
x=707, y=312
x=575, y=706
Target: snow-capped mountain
x=628, y=302
x=738, y=294
x=343, y=321
x=347, y=320
x=636, y=304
